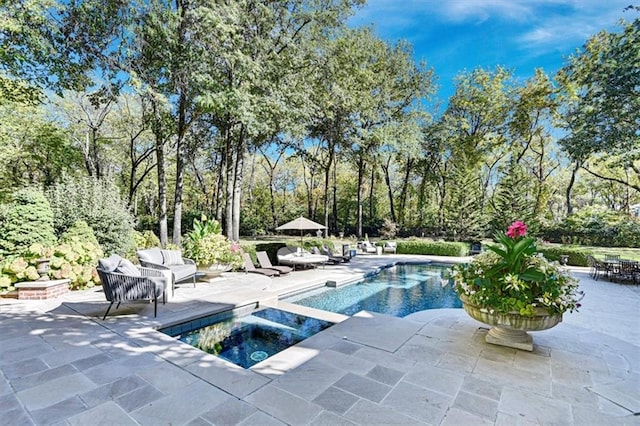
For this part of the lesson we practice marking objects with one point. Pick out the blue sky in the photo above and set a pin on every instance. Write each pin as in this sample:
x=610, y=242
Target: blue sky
x=521, y=35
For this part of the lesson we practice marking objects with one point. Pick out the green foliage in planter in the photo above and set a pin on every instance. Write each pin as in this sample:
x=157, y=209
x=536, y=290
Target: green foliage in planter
x=577, y=256
x=145, y=239
x=438, y=248
x=99, y=203
x=27, y=220
x=207, y=246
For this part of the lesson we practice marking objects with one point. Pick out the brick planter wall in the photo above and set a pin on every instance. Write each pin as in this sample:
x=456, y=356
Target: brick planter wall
x=40, y=290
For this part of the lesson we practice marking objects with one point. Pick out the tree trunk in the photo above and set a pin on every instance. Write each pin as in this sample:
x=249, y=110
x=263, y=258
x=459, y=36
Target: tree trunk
x=222, y=182
x=359, y=196
x=230, y=171
x=371, y=193
x=404, y=192
x=180, y=157
x=238, y=168
x=335, y=200
x=162, y=177
x=387, y=181
x=327, y=180
x=574, y=172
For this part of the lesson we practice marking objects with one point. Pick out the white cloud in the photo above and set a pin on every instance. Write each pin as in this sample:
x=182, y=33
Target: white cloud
x=542, y=24
x=587, y=19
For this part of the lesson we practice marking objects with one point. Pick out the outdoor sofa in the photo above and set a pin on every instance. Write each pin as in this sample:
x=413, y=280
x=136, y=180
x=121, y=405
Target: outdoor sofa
x=175, y=267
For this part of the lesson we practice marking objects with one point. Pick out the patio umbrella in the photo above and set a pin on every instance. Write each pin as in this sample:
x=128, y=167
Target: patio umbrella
x=301, y=224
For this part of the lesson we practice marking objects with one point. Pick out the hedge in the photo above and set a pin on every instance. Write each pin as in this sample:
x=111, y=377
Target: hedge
x=577, y=256
x=438, y=248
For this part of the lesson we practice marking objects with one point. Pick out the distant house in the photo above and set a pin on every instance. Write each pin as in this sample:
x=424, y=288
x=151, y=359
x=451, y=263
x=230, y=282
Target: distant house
x=634, y=210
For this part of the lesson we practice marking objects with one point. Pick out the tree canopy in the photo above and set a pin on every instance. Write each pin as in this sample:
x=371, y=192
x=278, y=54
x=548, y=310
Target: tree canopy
x=254, y=112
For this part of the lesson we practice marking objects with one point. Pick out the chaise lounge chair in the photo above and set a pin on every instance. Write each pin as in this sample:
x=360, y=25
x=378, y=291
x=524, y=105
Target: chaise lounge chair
x=367, y=247
x=265, y=263
x=250, y=267
x=335, y=257
x=330, y=259
x=390, y=247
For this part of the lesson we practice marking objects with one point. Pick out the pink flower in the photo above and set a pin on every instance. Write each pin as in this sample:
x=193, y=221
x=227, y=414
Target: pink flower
x=517, y=229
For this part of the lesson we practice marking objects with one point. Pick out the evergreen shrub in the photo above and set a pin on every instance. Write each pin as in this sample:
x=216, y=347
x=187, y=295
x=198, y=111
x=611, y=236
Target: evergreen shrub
x=27, y=220
x=99, y=204
x=438, y=248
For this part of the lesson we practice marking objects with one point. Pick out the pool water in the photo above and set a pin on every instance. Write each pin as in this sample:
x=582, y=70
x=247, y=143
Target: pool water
x=400, y=290
x=249, y=339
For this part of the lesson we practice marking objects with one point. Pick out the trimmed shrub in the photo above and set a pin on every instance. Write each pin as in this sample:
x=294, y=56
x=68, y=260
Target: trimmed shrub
x=99, y=204
x=145, y=239
x=310, y=243
x=438, y=248
x=75, y=259
x=271, y=249
x=14, y=269
x=577, y=255
x=28, y=220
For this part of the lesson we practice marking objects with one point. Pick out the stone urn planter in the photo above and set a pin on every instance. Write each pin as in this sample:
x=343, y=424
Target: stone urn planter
x=511, y=329
x=214, y=270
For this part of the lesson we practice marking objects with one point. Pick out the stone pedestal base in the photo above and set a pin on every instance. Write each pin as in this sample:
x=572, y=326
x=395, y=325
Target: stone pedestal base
x=511, y=338
x=511, y=329
x=40, y=290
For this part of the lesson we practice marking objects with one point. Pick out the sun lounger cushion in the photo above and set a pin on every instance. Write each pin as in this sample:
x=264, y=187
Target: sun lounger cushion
x=291, y=256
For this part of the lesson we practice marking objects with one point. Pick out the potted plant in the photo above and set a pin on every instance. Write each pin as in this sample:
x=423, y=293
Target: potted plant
x=515, y=289
x=211, y=250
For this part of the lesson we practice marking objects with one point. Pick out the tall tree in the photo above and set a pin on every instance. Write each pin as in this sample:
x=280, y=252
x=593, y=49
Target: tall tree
x=473, y=128
x=602, y=101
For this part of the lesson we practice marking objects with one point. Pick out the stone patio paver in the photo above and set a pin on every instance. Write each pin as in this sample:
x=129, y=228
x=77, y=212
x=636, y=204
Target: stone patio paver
x=61, y=364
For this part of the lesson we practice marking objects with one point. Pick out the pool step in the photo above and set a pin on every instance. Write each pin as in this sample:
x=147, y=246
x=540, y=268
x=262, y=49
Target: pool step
x=306, y=311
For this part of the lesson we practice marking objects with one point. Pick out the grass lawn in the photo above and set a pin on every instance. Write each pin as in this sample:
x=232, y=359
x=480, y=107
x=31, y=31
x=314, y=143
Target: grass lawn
x=624, y=252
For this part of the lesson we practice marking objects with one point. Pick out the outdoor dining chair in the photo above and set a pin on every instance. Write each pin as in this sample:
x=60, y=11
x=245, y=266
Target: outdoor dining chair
x=627, y=270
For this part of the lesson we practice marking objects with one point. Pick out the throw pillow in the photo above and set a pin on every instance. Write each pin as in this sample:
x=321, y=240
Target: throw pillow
x=127, y=268
x=110, y=263
x=172, y=257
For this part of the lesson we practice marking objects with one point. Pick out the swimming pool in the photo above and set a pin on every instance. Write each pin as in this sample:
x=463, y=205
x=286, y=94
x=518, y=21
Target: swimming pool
x=399, y=290
x=246, y=340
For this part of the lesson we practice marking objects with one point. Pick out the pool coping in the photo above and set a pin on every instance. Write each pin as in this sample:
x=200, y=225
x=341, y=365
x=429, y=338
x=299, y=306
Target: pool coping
x=125, y=348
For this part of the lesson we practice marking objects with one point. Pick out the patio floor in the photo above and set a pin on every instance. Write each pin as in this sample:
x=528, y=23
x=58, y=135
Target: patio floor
x=61, y=364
